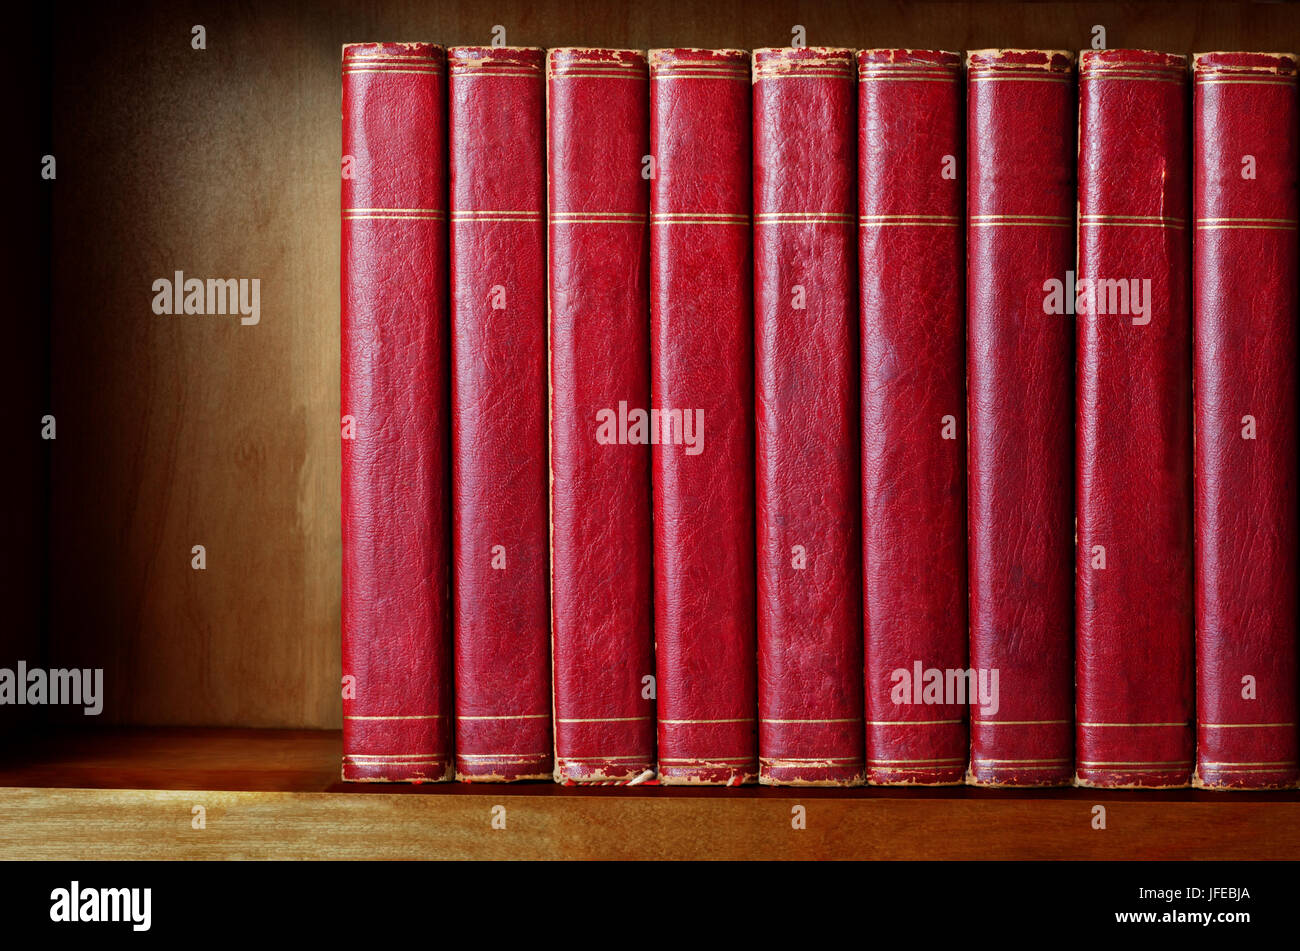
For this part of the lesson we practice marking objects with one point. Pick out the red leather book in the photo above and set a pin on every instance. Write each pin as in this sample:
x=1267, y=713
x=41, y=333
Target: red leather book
x=598, y=140
x=1246, y=304
x=396, y=566
x=806, y=399
x=702, y=363
x=496, y=101
x=910, y=243
x=1134, y=455
x=1020, y=235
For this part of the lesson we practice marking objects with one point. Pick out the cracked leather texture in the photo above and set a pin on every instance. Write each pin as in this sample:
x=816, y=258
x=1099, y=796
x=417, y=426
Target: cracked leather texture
x=702, y=353
x=1134, y=665
x=806, y=399
x=598, y=130
x=395, y=505
x=500, y=517
x=1020, y=146
x=1245, y=293
x=910, y=116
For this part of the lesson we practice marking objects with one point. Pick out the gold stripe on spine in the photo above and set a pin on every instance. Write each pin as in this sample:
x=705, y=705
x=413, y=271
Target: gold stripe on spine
x=911, y=722
x=472, y=71
x=413, y=716
x=798, y=217
x=1040, y=759
x=460, y=216
x=700, y=218
x=1132, y=221
x=727, y=720
x=1257, y=224
x=1029, y=78
x=1030, y=221
x=840, y=720
x=510, y=716
x=414, y=214
x=503, y=756
x=1243, y=726
x=601, y=719
x=597, y=218
x=395, y=756
x=1020, y=722
x=907, y=762
x=1134, y=724
x=409, y=72
x=881, y=221
x=1119, y=763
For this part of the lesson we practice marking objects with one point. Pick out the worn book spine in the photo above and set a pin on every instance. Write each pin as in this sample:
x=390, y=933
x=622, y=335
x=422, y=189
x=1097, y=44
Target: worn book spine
x=1134, y=598
x=912, y=287
x=810, y=670
x=1245, y=256
x=598, y=177
x=1020, y=389
x=702, y=361
x=500, y=518
x=397, y=673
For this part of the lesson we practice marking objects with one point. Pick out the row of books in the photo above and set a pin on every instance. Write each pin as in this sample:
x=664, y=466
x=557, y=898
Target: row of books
x=814, y=416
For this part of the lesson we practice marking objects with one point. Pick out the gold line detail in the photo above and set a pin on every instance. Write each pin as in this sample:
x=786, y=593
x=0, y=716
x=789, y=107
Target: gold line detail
x=598, y=74
x=411, y=72
x=795, y=217
x=921, y=220
x=1132, y=77
x=1279, y=764
x=413, y=716
x=1135, y=724
x=500, y=757
x=1021, y=221
x=911, y=722
x=950, y=760
x=1281, y=81
x=836, y=720
x=1241, y=726
x=601, y=719
x=512, y=716
x=1019, y=722
x=730, y=720
x=494, y=71
x=1152, y=763
x=1055, y=760
x=985, y=78
x=399, y=757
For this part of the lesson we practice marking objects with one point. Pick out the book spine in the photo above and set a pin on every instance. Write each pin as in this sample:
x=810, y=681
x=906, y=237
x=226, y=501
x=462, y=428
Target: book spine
x=702, y=353
x=598, y=143
x=912, y=277
x=806, y=405
x=396, y=564
x=500, y=519
x=1134, y=600
x=1246, y=306
x=1020, y=356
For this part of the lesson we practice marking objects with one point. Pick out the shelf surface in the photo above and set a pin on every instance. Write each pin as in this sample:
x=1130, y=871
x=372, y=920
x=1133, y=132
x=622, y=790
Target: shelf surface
x=132, y=793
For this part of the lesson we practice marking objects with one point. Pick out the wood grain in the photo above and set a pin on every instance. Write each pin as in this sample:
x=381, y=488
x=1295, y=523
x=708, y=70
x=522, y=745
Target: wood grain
x=177, y=431
x=656, y=824
x=130, y=793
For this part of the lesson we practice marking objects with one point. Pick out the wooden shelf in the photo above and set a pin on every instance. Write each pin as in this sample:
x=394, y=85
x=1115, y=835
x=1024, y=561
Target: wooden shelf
x=130, y=793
